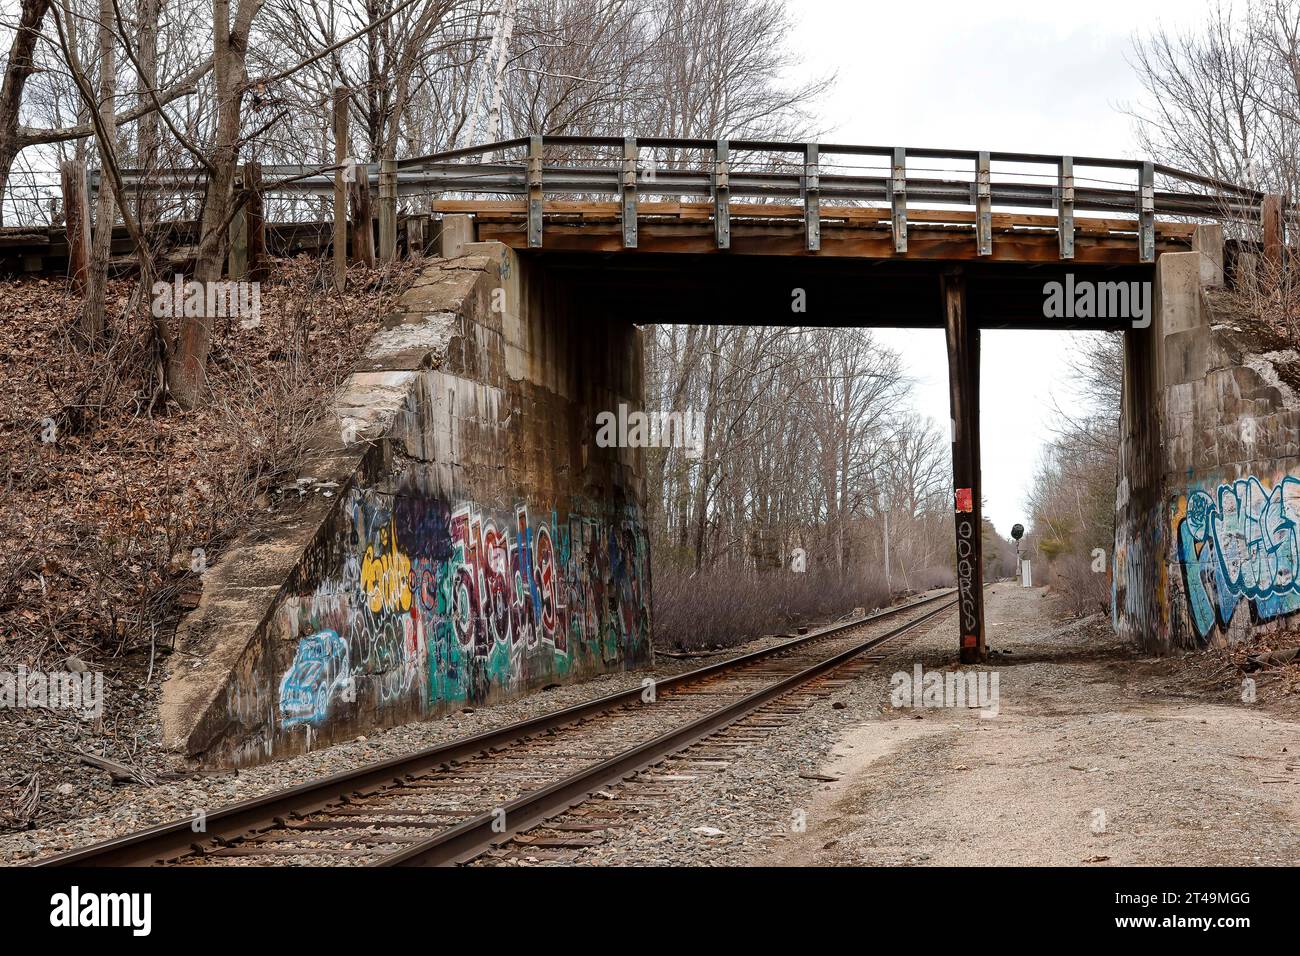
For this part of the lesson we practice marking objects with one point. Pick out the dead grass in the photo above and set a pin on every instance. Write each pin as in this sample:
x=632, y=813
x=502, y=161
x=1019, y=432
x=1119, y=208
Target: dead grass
x=697, y=610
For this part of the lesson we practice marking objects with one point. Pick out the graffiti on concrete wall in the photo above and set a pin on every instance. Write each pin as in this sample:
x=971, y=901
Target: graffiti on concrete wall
x=435, y=604
x=320, y=672
x=1239, y=544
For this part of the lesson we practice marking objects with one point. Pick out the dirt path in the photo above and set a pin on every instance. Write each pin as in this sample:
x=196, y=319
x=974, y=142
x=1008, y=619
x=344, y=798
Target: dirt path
x=1094, y=756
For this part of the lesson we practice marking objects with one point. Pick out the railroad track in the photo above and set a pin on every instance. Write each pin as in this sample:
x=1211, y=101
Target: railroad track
x=452, y=802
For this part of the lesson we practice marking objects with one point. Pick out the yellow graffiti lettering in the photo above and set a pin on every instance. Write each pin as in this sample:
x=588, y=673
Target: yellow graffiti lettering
x=386, y=577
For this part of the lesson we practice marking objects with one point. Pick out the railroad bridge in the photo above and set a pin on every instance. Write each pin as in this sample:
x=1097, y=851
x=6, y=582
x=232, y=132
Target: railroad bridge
x=464, y=441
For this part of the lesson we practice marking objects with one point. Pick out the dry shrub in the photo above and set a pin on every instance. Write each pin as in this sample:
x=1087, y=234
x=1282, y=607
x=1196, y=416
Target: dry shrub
x=1263, y=304
x=1081, y=590
x=718, y=609
x=942, y=576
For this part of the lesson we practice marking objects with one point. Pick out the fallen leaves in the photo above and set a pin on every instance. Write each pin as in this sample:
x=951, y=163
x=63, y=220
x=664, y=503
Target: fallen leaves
x=100, y=522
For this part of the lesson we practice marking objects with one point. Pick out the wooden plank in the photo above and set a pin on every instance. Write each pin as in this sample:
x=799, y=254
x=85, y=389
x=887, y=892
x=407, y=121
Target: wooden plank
x=287, y=850
x=1147, y=213
x=786, y=239
x=237, y=231
x=387, y=210
x=810, y=186
x=1065, y=225
x=363, y=223
x=898, y=198
x=257, y=265
x=631, y=154
x=983, y=206
x=703, y=211
x=535, y=212
x=722, y=194
x=1271, y=216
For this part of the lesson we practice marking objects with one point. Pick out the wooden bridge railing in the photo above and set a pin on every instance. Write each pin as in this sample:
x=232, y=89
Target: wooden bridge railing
x=721, y=172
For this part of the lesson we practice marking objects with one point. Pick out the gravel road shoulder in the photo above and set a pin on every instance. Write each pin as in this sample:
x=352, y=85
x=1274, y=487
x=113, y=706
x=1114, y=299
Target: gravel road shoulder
x=1096, y=756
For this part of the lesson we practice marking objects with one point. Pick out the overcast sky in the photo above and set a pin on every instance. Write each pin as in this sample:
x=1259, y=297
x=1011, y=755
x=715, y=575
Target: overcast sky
x=1001, y=75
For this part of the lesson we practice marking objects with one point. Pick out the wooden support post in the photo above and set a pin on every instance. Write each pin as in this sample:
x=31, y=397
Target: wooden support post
x=898, y=198
x=76, y=219
x=363, y=220
x=810, y=187
x=256, y=218
x=722, y=194
x=387, y=210
x=983, y=202
x=1065, y=206
x=340, y=193
x=237, y=234
x=417, y=233
x=964, y=391
x=983, y=206
x=1271, y=215
x=631, y=154
x=534, y=192
x=1147, y=213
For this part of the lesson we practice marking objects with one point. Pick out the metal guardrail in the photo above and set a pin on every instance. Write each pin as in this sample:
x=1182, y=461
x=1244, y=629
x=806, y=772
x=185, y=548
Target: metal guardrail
x=722, y=170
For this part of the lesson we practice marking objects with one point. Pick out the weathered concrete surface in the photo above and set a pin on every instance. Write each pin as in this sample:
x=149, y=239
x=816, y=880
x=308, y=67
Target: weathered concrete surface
x=1209, y=483
x=460, y=539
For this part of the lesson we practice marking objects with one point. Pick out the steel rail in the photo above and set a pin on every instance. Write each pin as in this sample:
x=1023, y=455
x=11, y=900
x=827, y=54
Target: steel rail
x=167, y=840
x=467, y=840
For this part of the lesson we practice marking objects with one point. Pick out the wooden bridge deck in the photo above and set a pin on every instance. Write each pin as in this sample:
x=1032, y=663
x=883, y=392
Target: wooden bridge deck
x=849, y=231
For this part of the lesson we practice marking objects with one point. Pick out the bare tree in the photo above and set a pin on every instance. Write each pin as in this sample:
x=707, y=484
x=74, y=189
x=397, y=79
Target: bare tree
x=106, y=204
x=18, y=68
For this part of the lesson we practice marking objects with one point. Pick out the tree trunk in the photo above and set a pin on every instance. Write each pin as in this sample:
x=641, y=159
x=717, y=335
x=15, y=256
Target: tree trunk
x=92, y=320
x=147, y=134
x=19, y=68
x=340, y=190
x=706, y=459
x=187, y=366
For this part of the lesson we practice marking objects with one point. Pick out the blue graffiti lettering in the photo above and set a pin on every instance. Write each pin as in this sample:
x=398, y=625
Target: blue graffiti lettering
x=1240, y=545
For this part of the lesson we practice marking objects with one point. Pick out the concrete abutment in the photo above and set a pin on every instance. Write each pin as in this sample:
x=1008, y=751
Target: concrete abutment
x=459, y=538
x=1208, y=492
